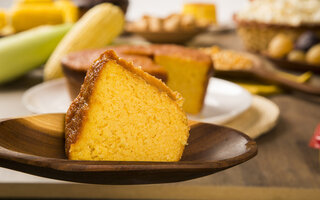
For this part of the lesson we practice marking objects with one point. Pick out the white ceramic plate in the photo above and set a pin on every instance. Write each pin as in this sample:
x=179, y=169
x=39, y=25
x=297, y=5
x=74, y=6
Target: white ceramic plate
x=47, y=97
x=223, y=102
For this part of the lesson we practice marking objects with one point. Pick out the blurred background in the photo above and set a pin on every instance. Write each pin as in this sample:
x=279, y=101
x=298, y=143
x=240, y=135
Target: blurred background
x=162, y=8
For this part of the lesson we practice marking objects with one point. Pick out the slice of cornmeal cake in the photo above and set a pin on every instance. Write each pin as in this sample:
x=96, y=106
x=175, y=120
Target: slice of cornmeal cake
x=189, y=71
x=125, y=114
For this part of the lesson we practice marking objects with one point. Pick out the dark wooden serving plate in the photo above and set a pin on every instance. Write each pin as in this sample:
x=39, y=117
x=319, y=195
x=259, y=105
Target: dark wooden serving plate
x=298, y=66
x=35, y=145
x=265, y=71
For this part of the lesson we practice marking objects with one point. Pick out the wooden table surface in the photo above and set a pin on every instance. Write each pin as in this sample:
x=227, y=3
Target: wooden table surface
x=285, y=166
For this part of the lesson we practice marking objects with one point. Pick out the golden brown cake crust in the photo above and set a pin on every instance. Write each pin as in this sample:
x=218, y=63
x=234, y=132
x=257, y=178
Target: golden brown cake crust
x=76, y=64
x=80, y=61
x=147, y=65
x=180, y=51
x=140, y=55
x=76, y=114
x=210, y=73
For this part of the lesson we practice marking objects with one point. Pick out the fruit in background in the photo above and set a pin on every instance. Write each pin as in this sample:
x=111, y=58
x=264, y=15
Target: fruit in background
x=27, y=14
x=313, y=55
x=3, y=20
x=27, y=50
x=97, y=28
x=296, y=56
x=280, y=46
x=306, y=41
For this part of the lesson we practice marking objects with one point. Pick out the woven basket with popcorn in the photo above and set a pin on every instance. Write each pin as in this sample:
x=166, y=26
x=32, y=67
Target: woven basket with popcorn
x=262, y=20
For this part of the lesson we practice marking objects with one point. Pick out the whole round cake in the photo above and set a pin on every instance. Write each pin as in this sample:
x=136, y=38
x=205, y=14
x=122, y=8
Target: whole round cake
x=75, y=66
x=183, y=69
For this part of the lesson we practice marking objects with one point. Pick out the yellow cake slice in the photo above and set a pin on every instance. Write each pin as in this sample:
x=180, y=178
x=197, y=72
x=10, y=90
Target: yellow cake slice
x=188, y=73
x=125, y=114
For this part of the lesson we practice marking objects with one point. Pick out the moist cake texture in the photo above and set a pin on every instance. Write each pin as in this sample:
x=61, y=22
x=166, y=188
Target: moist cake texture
x=188, y=73
x=125, y=114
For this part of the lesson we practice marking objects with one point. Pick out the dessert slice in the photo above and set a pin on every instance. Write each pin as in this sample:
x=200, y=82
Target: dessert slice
x=125, y=114
x=76, y=64
x=188, y=73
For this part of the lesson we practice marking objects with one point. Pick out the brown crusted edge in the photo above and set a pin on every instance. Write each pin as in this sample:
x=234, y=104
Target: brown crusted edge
x=75, y=73
x=77, y=111
x=111, y=55
x=128, y=52
x=205, y=84
x=67, y=61
x=180, y=51
x=244, y=23
x=137, y=50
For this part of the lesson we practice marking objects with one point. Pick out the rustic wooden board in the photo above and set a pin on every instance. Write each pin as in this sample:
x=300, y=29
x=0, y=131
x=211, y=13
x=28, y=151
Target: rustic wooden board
x=284, y=158
x=167, y=191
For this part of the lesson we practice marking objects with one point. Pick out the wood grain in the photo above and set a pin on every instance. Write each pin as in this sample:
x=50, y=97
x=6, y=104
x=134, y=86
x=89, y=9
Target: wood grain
x=275, y=78
x=265, y=71
x=284, y=159
x=286, y=64
x=35, y=145
x=158, y=192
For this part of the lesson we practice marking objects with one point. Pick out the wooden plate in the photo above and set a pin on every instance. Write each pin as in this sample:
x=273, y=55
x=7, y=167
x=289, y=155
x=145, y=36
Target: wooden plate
x=35, y=145
x=265, y=71
x=260, y=118
x=178, y=37
x=285, y=64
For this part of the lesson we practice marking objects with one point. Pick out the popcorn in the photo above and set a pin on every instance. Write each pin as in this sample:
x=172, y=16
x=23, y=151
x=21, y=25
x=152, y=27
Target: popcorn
x=286, y=12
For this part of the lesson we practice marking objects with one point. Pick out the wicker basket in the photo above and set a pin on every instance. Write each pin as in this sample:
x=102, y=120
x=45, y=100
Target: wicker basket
x=257, y=36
